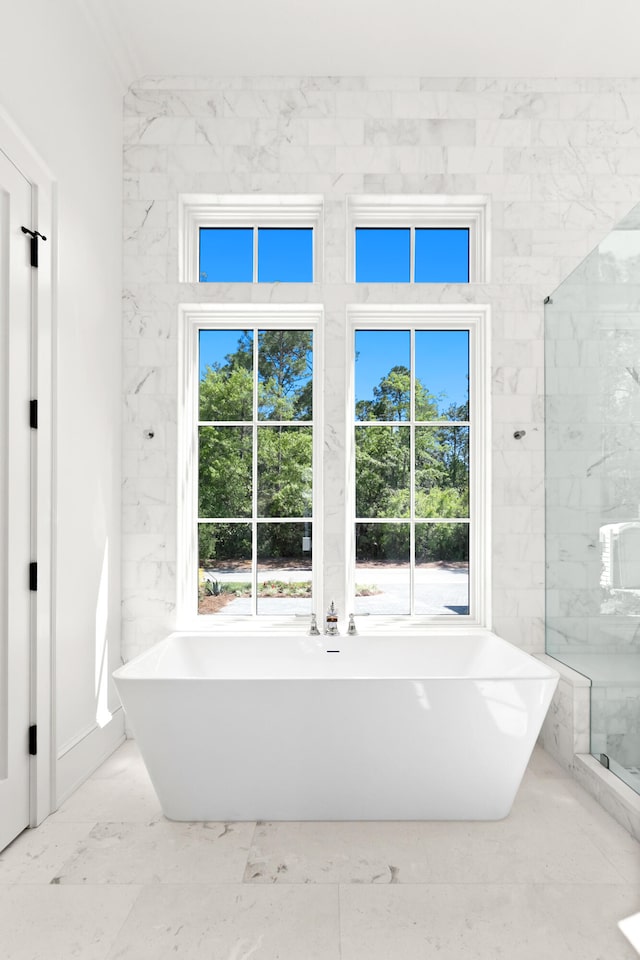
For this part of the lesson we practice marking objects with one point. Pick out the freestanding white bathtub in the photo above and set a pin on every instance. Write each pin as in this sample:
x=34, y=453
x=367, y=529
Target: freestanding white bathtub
x=278, y=728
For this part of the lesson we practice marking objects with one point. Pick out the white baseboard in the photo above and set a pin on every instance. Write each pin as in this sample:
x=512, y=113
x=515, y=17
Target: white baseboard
x=79, y=759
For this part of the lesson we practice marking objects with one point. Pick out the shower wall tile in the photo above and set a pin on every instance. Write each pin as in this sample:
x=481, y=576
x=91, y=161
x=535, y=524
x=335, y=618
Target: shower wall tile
x=565, y=731
x=525, y=632
x=331, y=132
x=559, y=159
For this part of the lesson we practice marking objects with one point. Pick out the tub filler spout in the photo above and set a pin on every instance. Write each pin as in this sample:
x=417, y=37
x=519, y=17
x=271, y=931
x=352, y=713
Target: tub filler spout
x=331, y=621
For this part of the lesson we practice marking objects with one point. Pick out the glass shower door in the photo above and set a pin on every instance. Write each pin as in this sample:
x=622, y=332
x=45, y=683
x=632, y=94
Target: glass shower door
x=592, y=375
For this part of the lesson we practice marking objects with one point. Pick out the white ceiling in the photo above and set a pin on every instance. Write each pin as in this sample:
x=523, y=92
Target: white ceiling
x=456, y=38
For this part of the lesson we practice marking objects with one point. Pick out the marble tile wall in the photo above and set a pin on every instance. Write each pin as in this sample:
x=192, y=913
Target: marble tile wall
x=566, y=728
x=559, y=160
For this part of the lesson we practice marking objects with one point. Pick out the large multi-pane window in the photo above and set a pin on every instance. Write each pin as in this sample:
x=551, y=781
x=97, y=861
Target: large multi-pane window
x=255, y=470
x=363, y=476
x=411, y=441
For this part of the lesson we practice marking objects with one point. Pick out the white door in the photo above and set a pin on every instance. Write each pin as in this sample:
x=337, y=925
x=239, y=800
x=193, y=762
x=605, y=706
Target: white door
x=15, y=499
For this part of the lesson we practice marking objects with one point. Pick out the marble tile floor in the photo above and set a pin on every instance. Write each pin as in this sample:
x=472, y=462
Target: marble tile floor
x=107, y=877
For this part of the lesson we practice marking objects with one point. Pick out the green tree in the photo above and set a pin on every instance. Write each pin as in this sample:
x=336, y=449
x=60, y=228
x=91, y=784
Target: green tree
x=383, y=471
x=383, y=467
x=224, y=471
x=284, y=452
x=284, y=471
x=392, y=399
x=226, y=389
x=285, y=375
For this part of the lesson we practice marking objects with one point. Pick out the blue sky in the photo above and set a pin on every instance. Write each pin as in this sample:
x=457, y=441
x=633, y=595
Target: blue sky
x=442, y=360
x=284, y=254
x=383, y=255
x=215, y=345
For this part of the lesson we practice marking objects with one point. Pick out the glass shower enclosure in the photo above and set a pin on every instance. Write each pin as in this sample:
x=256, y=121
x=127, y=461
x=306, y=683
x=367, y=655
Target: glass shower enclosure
x=592, y=474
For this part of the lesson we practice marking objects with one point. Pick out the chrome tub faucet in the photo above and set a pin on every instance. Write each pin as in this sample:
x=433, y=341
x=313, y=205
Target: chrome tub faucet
x=331, y=621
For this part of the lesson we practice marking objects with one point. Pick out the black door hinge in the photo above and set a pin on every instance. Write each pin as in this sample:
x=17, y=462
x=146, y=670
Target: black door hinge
x=604, y=760
x=33, y=234
x=33, y=576
x=33, y=740
x=33, y=414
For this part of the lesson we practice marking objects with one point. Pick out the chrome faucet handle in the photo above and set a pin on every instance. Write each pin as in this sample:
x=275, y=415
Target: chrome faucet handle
x=351, y=629
x=313, y=629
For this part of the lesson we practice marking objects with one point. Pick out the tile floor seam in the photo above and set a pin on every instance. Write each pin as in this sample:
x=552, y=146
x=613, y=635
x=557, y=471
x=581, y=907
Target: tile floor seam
x=472, y=883
x=329, y=883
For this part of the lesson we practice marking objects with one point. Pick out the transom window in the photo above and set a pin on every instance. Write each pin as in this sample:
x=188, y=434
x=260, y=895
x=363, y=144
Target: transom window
x=250, y=238
x=412, y=255
x=258, y=254
x=418, y=239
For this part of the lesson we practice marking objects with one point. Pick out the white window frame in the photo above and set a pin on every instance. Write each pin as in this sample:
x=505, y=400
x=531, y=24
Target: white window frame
x=196, y=210
x=435, y=211
x=192, y=319
x=476, y=319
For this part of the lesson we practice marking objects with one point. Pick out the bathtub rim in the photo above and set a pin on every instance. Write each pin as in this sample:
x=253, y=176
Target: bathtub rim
x=541, y=671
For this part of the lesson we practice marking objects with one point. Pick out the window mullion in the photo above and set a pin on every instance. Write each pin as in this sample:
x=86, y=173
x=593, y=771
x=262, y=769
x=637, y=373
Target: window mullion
x=412, y=254
x=255, y=254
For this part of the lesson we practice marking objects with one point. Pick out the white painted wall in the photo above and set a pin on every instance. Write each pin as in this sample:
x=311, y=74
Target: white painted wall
x=57, y=87
x=559, y=160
